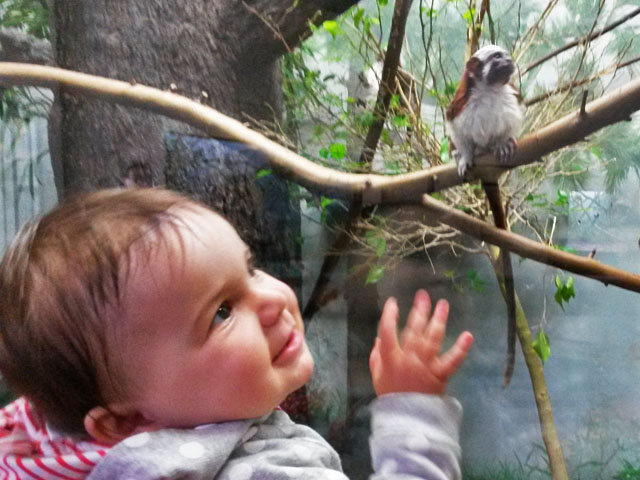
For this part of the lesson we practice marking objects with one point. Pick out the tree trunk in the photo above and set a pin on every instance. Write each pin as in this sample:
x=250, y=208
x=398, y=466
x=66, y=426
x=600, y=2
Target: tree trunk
x=224, y=53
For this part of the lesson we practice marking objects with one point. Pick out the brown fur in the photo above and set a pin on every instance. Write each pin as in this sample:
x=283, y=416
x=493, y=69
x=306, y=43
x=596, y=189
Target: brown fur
x=471, y=70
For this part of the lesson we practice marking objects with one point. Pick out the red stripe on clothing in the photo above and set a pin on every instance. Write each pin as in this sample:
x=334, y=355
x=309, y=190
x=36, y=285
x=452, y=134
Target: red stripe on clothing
x=7, y=473
x=29, y=472
x=27, y=412
x=6, y=462
x=62, y=462
x=41, y=464
x=85, y=460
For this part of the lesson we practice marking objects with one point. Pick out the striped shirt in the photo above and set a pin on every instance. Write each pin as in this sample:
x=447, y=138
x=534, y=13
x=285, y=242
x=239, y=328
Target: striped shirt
x=29, y=449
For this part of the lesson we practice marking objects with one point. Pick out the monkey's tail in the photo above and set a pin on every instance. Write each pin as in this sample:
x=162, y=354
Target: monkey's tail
x=492, y=190
x=507, y=271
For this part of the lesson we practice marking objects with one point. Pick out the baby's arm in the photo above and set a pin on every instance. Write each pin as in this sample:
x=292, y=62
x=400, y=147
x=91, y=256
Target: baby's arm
x=415, y=435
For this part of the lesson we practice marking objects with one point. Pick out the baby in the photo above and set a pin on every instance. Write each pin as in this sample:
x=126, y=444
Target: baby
x=145, y=345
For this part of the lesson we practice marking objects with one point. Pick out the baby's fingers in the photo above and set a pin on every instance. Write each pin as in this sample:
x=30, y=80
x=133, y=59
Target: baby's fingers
x=436, y=329
x=417, y=319
x=388, y=332
x=449, y=362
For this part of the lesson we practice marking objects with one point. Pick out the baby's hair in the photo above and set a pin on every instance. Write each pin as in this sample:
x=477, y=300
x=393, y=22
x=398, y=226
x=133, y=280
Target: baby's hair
x=60, y=287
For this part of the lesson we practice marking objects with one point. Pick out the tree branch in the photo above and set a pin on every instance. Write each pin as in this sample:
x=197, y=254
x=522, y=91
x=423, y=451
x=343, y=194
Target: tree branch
x=524, y=247
x=371, y=189
x=538, y=382
x=571, y=85
x=584, y=39
x=387, y=80
x=279, y=25
x=17, y=46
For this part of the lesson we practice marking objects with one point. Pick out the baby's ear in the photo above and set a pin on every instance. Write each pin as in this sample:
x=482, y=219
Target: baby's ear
x=111, y=425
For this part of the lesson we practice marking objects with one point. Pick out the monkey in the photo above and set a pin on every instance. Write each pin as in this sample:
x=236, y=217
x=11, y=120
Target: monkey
x=486, y=111
x=485, y=115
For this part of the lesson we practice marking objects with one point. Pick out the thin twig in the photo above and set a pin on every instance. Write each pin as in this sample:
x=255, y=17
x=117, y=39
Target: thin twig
x=586, y=39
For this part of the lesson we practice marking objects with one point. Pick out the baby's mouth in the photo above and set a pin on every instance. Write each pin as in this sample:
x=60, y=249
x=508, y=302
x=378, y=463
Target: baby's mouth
x=290, y=349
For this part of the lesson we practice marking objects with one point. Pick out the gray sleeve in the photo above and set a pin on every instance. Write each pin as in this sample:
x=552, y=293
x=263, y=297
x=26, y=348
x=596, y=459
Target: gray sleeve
x=415, y=436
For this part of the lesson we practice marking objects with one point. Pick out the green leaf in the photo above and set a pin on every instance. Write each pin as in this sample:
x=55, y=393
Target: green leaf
x=375, y=240
x=565, y=249
x=395, y=101
x=376, y=272
x=468, y=16
x=450, y=88
x=263, y=172
x=324, y=203
x=562, y=199
x=596, y=151
x=464, y=208
x=564, y=291
x=541, y=346
x=338, y=151
x=401, y=121
x=365, y=119
x=332, y=27
x=383, y=3
x=357, y=16
x=445, y=156
x=429, y=12
x=323, y=152
x=475, y=280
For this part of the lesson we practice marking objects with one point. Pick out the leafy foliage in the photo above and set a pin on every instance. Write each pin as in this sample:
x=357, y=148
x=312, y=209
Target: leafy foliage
x=30, y=16
x=628, y=472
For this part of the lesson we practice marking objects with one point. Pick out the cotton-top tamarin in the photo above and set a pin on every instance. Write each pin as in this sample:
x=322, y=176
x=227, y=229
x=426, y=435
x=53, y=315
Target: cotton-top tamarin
x=485, y=115
x=486, y=112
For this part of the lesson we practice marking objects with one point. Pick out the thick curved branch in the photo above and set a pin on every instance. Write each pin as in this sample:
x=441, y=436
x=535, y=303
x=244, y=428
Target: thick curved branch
x=524, y=247
x=406, y=188
x=17, y=46
x=371, y=189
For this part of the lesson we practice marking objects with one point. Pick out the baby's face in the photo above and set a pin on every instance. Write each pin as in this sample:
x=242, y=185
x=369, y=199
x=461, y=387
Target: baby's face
x=208, y=338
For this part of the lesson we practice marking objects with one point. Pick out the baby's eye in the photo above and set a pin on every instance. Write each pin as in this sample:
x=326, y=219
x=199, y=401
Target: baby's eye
x=222, y=315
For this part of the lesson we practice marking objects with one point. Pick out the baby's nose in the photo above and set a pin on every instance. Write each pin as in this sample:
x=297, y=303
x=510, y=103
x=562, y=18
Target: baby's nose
x=271, y=307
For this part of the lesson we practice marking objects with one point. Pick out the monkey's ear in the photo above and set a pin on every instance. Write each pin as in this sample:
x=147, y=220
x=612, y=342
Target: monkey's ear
x=113, y=424
x=474, y=67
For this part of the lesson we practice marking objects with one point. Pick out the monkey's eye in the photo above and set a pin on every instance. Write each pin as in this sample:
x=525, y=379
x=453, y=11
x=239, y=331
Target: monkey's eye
x=496, y=55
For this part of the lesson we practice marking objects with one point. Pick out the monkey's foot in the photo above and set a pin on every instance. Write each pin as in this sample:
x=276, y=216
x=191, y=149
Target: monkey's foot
x=506, y=151
x=464, y=163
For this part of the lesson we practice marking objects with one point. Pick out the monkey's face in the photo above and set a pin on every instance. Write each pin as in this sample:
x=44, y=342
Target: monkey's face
x=493, y=65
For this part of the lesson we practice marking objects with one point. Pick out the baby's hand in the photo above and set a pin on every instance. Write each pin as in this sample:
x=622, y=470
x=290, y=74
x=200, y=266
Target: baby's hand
x=412, y=363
